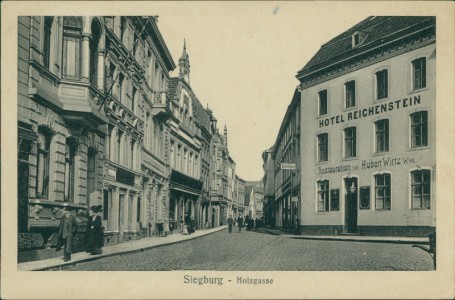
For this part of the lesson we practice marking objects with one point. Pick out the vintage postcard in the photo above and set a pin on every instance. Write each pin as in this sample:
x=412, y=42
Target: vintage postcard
x=193, y=150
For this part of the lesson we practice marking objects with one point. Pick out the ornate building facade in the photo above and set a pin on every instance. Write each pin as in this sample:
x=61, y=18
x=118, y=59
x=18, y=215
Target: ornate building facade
x=101, y=122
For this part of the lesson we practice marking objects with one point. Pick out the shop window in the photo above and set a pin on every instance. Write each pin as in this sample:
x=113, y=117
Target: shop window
x=381, y=84
x=419, y=129
x=322, y=102
x=335, y=200
x=350, y=142
x=70, y=154
x=382, y=135
x=72, y=34
x=419, y=73
x=382, y=191
x=323, y=146
x=349, y=88
x=42, y=176
x=323, y=195
x=421, y=186
x=365, y=197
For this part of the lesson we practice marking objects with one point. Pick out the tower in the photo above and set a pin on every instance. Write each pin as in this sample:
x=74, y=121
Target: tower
x=184, y=65
x=225, y=135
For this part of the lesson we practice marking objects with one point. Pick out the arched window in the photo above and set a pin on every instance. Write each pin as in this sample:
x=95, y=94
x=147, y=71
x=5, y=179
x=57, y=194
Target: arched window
x=42, y=176
x=72, y=34
x=94, y=42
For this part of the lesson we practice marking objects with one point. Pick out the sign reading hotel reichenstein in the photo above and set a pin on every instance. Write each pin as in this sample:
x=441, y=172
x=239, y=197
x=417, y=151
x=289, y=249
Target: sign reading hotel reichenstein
x=370, y=111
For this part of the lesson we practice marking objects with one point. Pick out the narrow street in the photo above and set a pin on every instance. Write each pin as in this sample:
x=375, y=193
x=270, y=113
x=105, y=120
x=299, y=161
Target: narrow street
x=255, y=251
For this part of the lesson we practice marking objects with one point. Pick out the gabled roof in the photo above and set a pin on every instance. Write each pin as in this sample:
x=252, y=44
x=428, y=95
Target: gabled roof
x=376, y=31
x=201, y=114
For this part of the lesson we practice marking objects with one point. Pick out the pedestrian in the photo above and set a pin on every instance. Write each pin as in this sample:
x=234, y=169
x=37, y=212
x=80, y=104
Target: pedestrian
x=66, y=233
x=95, y=231
x=240, y=223
x=230, y=221
x=187, y=224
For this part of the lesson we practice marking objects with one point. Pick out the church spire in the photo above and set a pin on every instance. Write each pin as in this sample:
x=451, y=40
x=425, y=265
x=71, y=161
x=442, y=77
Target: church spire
x=184, y=64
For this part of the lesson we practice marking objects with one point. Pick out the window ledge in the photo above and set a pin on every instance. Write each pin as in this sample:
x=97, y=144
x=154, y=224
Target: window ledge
x=350, y=158
x=418, y=90
x=382, y=153
x=350, y=108
x=382, y=99
x=417, y=148
x=322, y=162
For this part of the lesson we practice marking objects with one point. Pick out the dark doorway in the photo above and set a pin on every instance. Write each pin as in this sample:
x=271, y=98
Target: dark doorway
x=350, y=200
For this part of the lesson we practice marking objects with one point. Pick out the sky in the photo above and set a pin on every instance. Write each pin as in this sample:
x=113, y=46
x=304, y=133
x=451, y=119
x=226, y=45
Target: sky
x=244, y=58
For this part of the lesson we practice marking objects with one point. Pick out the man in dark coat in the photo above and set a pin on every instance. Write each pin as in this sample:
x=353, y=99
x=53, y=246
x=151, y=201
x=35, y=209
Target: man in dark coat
x=66, y=233
x=188, y=223
x=230, y=221
x=240, y=223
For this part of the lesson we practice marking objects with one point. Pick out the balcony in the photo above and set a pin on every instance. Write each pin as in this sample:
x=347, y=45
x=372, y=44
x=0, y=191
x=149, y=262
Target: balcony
x=77, y=100
x=161, y=110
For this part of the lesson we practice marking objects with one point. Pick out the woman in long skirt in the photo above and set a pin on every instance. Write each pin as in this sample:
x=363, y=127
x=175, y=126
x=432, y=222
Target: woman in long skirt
x=95, y=231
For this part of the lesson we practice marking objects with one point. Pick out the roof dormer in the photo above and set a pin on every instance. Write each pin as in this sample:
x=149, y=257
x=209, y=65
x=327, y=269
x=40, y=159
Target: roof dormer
x=358, y=38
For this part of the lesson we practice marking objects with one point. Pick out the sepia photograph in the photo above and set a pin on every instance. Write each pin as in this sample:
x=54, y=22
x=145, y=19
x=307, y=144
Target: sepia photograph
x=205, y=142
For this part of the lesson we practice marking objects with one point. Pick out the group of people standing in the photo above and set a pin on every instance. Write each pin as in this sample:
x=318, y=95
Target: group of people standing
x=94, y=236
x=249, y=223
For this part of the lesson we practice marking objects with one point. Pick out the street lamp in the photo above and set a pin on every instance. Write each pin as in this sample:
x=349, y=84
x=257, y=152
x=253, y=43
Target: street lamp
x=352, y=189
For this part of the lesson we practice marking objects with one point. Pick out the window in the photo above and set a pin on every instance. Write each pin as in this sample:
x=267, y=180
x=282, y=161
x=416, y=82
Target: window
x=118, y=148
x=421, y=186
x=381, y=84
x=382, y=135
x=350, y=142
x=70, y=154
x=334, y=200
x=133, y=97
x=322, y=102
x=106, y=195
x=350, y=94
x=382, y=191
x=323, y=146
x=122, y=28
x=419, y=73
x=94, y=41
x=72, y=33
x=139, y=204
x=365, y=197
x=47, y=41
x=91, y=172
x=419, y=129
x=42, y=176
x=323, y=195
x=121, y=88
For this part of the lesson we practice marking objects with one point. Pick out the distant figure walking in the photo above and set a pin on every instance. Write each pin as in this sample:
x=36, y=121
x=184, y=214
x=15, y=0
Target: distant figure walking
x=230, y=221
x=66, y=233
x=240, y=223
x=95, y=231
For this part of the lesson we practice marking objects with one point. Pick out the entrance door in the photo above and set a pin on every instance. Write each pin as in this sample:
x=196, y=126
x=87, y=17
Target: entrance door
x=22, y=188
x=350, y=205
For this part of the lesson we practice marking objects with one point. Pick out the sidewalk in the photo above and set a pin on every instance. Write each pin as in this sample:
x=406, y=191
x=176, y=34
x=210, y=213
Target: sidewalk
x=353, y=238
x=122, y=248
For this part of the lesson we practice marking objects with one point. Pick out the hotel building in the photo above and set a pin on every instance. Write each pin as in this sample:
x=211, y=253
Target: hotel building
x=368, y=154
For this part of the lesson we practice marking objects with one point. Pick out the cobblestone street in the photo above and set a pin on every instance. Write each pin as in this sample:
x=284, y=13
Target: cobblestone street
x=254, y=251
